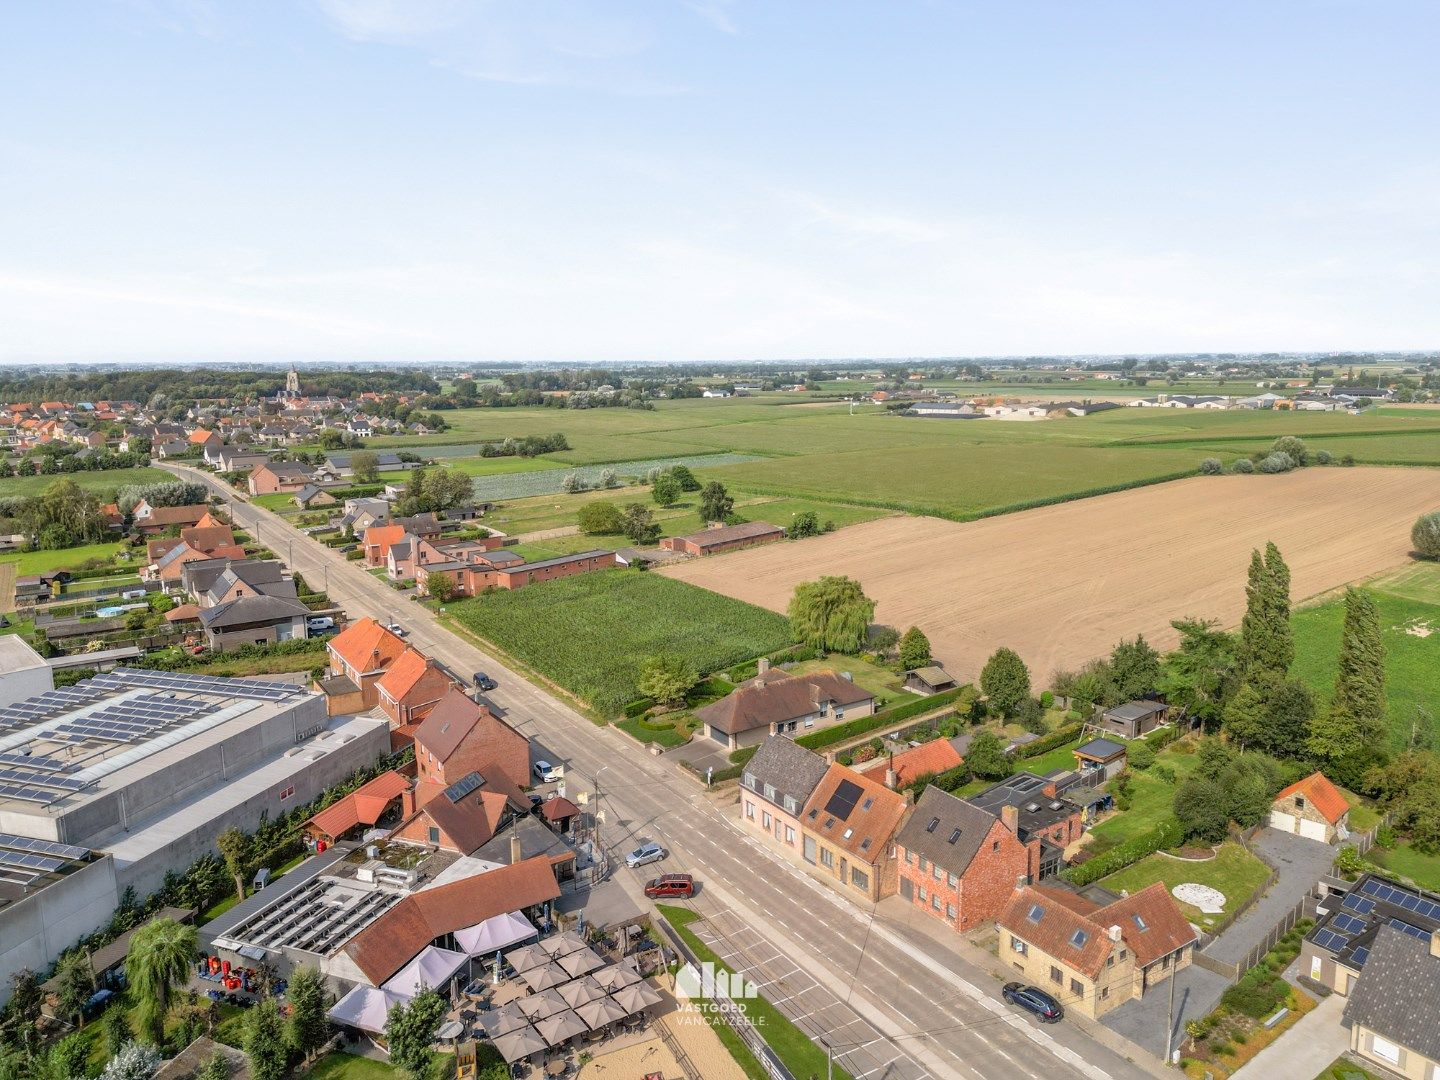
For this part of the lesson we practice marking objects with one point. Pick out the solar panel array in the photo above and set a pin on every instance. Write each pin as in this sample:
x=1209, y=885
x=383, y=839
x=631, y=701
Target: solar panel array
x=1414, y=931
x=842, y=803
x=34, y=761
x=45, y=847
x=26, y=859
x=1402, y=898
x=1357, y=904
x=129, y=678
x=33, y=710
x=1329, y=939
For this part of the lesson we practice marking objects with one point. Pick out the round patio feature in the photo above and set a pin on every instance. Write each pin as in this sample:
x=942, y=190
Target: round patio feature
x=1210, y=901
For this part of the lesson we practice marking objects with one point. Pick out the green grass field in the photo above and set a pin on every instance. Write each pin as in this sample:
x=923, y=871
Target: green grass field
x=104, y=482
x=1151, y=801
x=1410, y=629
x=592, y=633
x=44, y=562
x=1234, y=872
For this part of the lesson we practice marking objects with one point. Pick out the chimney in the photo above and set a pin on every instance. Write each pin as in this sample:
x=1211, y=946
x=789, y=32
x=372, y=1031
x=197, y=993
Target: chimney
x=1021, y=880
x=1435, y=944
x=1114, y=933
x=1010, y=818
x=407, y=802
x=1049, y=790
x=763, y=666
x=515, y=853
x=890, y=777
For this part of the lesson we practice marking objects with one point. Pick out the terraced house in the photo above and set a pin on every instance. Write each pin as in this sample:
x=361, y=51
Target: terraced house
x=778, y=781
x=847, y=833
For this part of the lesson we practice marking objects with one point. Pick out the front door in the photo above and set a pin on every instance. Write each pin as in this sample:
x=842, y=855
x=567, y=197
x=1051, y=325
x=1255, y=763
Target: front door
x=906, y=889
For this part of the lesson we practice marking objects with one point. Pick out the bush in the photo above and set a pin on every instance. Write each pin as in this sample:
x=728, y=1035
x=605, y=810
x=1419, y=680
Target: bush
x=1165, y=835
x=1347, y=460
x=1324, y=457
x=1211, y=466
x=1385, y=837
x=1426, y=535
x=600, y=519
x=853, y=728
x=1243, y=465
x=1162, y=737
x=1278, y=462
x=1292, y=447
x=1139, y=756
x=1164, y=773
x=1043, y=745
x=1047, y=700
x=1258, y=993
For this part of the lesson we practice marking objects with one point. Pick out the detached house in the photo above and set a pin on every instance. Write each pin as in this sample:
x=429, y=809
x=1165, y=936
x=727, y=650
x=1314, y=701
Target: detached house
x=1394, y=1010
x=778, y=703
x=1313, y=808
x=278, y=476
x=957, y=862
x=359, y=655
x=847, y=833
x=1095, y=957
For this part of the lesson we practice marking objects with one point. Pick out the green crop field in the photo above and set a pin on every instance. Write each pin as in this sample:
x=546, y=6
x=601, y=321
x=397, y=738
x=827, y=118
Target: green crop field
x=592, y=633
x=45, y=562
x=104, y=482
x=1410, y=629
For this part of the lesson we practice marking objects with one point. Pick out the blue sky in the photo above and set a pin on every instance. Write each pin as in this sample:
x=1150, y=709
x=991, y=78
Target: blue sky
x=708, y=180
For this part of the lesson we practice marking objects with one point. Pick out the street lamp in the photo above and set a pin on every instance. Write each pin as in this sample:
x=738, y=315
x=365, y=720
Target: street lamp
x=602, y=860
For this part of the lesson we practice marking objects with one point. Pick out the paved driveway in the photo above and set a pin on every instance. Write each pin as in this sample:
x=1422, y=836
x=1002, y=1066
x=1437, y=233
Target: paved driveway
x=1145, y=1020
x=1300, y=864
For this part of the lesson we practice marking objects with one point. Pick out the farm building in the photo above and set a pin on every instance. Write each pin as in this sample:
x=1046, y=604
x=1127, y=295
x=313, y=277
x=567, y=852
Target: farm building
x=1313, y=808
x=720, y=538
x=929, y=680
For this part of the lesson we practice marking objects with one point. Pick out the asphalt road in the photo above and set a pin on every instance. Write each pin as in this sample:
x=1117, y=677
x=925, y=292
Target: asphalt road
x=890, y=1003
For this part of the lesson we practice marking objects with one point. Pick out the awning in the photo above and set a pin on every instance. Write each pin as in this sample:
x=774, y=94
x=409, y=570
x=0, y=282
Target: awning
x=495, y=934
x=433, y=968
x=365, y=1008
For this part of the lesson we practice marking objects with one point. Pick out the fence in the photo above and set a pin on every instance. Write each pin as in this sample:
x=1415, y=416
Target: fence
x=682, y=1058
x=732, y=1013
x=1304, y=909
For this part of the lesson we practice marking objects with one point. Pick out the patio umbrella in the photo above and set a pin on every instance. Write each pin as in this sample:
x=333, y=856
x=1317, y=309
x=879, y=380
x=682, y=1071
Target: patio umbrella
x=580, y=991
x=538, y=1006
x=637, y=998
x=600, y=1013
x=527, y=957
x=542, y=978
x=576, y=964
x=494, y=934
x=561, y=944
x=503, y=1020
x=561, y=1028
x=615, y=976
x=519, y=1044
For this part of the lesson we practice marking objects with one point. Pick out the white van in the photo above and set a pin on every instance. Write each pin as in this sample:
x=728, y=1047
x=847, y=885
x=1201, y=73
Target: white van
x=318, y=624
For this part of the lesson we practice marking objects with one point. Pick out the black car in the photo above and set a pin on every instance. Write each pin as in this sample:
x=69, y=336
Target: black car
x=1046, y=1009
x=484, y=682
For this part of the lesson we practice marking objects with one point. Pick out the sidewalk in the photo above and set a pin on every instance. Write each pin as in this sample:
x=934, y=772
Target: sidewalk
x=1317, y=1039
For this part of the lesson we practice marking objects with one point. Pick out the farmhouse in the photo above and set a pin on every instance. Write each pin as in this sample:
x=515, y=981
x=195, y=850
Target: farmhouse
x=777, y=703
x=720, y=538
x=1313, y=808
x=1095, y=957
x=483, y=569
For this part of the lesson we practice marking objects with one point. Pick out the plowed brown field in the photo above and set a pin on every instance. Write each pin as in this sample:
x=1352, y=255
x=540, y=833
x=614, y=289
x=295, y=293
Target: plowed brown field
x=1062, y=584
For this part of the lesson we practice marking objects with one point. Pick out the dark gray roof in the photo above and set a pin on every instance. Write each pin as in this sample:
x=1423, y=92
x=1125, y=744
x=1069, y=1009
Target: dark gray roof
x=1398, y=993
x=1023, y=791
x=561, y=561
x=1135, y=710
x=787, y=767
x=945, y=829
x=251, y=609
x=1101, y=748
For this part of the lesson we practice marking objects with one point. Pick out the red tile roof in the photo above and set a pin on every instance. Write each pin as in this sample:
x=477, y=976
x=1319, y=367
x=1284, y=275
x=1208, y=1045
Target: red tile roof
x=175, y=515
x=396, y=937
x=1323, y=795
x=364, y=805
x=866, y=830
x=382, y=536
x=404, y=673
x=367, y=646
x=931, y=758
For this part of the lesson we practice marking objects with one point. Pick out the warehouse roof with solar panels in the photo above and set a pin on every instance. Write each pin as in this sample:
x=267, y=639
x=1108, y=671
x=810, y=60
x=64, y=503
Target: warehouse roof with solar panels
x=71, y=746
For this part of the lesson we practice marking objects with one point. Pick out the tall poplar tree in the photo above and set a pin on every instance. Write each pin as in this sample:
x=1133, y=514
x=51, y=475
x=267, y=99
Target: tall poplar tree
x=1356, y=717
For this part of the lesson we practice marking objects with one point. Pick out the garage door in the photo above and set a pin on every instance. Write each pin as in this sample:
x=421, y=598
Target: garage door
x=1283, y=822
x=1315, y=830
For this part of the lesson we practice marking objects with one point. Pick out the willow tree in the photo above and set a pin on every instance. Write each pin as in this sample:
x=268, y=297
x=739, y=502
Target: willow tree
x=161, y=954
x=831, y=615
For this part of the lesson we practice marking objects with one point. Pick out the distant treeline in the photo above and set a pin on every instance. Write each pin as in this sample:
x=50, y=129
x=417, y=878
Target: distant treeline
x=142, y=384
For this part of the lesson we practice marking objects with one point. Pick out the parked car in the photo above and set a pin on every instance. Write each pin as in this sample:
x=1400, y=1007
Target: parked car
x=669, y=886
x=484, y=682
x=318, y=624
x=547, y=773
x=396, y=629
x=645, y=853
x=1037, y=1001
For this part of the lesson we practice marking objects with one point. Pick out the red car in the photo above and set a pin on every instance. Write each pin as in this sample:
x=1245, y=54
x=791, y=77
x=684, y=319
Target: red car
x=670, y=886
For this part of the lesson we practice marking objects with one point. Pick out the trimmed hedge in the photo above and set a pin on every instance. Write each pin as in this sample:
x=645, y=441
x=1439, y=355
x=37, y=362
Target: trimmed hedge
x=1043, y=745
x=855, y=728
x=1162, y=737
x=1166, y=835
x=794, y=654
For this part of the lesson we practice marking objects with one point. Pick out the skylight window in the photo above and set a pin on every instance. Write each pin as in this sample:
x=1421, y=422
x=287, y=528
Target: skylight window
x=954, y=836
x=1139, y=923
x=849, y=833
x=1079, y=938
x=934, y=824
x=1036, y=913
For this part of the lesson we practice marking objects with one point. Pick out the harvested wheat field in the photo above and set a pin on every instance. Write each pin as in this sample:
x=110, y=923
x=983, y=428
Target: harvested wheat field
x=1062, y=584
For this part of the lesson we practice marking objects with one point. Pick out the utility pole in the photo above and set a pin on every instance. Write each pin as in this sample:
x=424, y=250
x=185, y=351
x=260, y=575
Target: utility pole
x=602, y=860
x=1170, y=1020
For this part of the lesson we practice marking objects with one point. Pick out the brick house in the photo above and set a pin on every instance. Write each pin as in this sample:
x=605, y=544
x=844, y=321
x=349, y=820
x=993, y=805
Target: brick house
x=413, y=685
x=776, y=784
x=1093, y=957
x=958, y=863
x=903, y=769
x=720, y=538
x=278, y=476
x=847, y=832
x=459, y=819
x=778, y=703
x=1313, y=808
x=1046, y=823
x=148, y=520
x=361, y=654
x=377, y=540
x=460, y=736
x=473, y=571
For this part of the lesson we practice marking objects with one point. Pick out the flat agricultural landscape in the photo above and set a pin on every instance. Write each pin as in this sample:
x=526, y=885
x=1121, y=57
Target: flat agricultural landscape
x=1061, y=584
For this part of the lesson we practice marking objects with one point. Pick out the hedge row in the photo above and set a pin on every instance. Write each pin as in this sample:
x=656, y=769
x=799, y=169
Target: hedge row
x=1043, y=745
x=1165, y=835
x=855, y=728
x=794, y=654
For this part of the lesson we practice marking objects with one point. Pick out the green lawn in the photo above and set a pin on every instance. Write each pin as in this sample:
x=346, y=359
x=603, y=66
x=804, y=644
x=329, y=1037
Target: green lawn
x=1422, y=869
x=1234, y=871
x=277, y=501
x=1151, y=798
x=1410, y=629
x=45, y=562
x=104, y=482
x=1062, y=757
x=802, y=1056
x=342, y=1066
x=1345, y=1069
x=592, y=633
x=887, y=687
